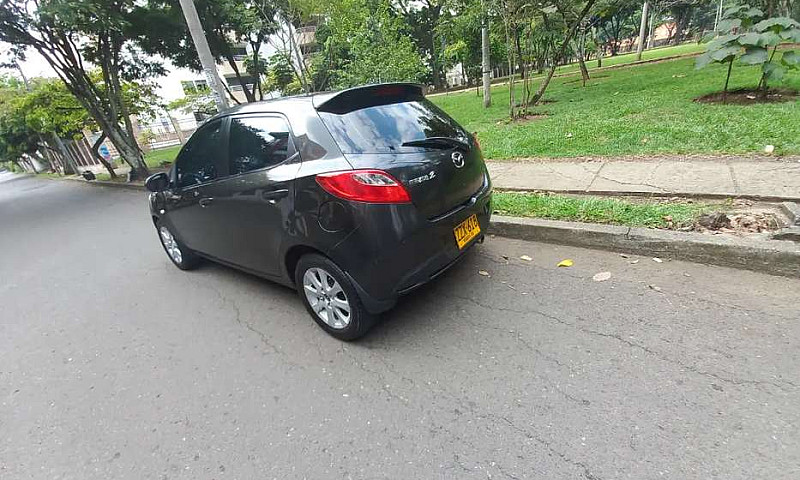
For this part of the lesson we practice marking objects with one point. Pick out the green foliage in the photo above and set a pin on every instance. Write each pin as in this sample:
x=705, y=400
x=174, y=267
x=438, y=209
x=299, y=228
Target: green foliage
x=750, y=39
x=280, y=75
x=613, y=116
x=366, y=43
x=160, y=29
x=28, y=116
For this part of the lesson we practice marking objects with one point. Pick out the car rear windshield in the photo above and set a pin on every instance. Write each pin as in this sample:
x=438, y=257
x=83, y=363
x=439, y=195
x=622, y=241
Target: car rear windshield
x=384, y=128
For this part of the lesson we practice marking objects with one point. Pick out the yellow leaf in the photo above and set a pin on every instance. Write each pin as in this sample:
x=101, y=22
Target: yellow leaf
x=566, y=263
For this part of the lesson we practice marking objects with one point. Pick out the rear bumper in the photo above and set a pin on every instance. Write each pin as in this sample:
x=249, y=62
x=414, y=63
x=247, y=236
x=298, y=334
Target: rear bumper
x=393, y=251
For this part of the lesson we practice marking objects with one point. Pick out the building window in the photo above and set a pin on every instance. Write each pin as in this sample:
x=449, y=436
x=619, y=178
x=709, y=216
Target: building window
x=194, y=86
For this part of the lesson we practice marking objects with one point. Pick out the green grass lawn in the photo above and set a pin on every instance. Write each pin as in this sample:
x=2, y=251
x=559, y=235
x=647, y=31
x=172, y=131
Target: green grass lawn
x=652, y=54
x=643, y=109
x=155, y=157
x=599, y=210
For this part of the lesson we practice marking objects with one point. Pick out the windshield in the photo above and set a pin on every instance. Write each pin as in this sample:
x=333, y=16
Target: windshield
x=384, y=128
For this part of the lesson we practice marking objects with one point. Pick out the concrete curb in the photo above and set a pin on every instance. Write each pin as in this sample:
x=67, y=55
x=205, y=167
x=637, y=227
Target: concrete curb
x=792, y=211
x=758, y=252
x=102, y=183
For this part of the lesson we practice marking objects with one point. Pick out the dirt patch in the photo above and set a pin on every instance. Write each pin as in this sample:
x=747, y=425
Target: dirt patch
x=530, y=118
x=524, y=118
x=750, y=96
x=741, y=223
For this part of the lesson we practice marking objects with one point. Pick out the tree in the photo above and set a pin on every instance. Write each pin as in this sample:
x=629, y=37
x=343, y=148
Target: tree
x=71, y=33
x=617, y=22
x=423, y=18
x=365, y=42
x=746, y=37
x=160, y=29
x=281, y=76
x=32, y=118
x=547, y=32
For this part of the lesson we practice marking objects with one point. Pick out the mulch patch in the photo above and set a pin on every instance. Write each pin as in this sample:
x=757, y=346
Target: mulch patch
x=750, y=96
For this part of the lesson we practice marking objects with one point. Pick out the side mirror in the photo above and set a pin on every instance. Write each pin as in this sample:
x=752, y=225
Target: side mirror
x=157, y=182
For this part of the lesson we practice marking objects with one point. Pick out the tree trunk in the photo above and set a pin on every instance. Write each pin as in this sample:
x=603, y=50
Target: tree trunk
x=642, y=31
x=520, y=58
x=176, y=126
x=567, y=39
x=485, y=63
x=70, y=167
x=94, y=148
x=581, y=62
x=727, y=79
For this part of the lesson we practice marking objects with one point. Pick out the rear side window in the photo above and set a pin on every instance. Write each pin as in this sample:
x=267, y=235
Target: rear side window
x=258, y=142
x=384, y=128
x=198, y=161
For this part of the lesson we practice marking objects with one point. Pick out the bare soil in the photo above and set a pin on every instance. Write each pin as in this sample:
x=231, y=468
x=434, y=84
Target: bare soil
x=750, y=96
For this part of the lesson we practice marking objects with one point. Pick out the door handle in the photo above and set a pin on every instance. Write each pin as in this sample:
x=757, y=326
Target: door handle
x=272, y=196
x=204, y=202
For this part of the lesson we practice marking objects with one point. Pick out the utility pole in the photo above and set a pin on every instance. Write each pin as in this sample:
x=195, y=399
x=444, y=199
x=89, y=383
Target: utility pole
x=485, y=67
x=204, y=53
x=642, y=30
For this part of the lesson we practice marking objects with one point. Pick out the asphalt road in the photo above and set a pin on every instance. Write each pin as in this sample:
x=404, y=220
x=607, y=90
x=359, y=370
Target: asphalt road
x=114, y=364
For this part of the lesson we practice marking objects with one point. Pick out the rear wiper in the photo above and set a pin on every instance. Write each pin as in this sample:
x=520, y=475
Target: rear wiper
x=437, y=142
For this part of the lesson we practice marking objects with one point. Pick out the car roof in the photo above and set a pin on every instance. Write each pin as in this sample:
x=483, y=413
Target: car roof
x=312, y=100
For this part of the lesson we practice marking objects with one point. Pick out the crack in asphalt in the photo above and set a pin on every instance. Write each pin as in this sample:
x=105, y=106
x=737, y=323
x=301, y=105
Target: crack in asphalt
x=646, y=349
x=238, y=319
x=587, y=473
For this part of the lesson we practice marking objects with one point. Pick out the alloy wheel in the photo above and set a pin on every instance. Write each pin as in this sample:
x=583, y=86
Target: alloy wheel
x=327, y=298
x=171, y=245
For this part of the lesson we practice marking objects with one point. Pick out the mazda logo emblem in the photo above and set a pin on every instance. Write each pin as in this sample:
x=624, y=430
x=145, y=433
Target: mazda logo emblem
x=458, y=159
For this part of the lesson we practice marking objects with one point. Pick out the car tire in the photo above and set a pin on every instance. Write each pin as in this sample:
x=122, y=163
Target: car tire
x=331, y=299
x=177, y=252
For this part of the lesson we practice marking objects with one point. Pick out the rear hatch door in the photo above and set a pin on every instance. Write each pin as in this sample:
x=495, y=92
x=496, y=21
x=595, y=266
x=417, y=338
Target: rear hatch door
x=392, y=127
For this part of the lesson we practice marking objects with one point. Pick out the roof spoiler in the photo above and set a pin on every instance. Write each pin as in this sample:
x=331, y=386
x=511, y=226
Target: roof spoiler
x=368, y=96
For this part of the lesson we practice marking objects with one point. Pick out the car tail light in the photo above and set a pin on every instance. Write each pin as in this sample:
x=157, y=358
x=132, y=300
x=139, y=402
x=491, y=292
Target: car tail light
x=371, y=186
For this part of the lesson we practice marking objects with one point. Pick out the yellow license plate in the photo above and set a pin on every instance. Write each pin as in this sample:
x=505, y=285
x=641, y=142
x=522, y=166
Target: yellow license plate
x=466, y=231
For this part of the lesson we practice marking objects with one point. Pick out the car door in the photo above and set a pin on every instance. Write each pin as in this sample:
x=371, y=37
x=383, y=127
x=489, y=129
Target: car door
x=250, y=209
x=201, y=162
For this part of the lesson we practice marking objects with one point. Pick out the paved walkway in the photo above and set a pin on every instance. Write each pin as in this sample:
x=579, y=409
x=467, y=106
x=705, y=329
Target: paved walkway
x=757, y=177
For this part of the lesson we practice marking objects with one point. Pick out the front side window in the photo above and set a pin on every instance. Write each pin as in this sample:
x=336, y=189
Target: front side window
x=198, y=161
x=258, y=142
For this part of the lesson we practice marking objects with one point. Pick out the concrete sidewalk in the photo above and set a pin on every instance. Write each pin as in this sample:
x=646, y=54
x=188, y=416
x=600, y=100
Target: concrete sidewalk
x=763, y=178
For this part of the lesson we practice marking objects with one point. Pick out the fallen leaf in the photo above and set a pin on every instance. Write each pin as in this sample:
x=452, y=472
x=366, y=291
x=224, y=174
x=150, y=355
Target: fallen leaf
x=566, y=263
x=483, y=272
x=601, y=277
x=526, y=258
x=658, y=260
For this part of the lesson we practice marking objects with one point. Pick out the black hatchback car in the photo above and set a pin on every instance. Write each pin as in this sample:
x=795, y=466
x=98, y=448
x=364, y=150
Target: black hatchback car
x=353, y=198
